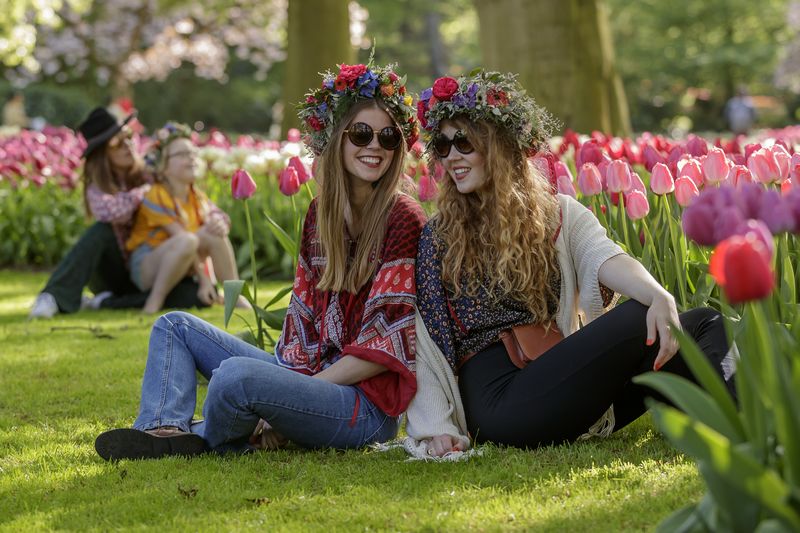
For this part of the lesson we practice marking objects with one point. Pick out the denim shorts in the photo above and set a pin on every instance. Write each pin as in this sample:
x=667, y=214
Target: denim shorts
x=135, y=263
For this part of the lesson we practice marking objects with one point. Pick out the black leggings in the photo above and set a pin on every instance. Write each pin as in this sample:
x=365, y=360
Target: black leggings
x=557, y=397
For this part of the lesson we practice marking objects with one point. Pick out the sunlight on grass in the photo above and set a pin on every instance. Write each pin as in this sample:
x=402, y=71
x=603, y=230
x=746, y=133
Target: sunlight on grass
x=65, y=380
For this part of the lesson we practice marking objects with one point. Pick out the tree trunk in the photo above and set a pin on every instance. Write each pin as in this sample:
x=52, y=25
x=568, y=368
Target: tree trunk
x=564, y=55
x=319, y=39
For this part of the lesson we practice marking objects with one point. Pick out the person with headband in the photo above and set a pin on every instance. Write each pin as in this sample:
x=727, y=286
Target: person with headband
x=507, y=271
x=177, y=228
x=343, y=367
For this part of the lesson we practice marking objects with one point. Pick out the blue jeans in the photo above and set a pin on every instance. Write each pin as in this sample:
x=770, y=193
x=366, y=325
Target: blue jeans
x=246, y=384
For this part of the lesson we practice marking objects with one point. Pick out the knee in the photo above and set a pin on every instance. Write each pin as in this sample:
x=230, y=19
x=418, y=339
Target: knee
x=187, y=244
x=167, y=320
x=230, y=376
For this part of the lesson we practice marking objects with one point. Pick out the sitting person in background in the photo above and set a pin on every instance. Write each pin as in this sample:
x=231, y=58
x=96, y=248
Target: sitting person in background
x=114, y=183
x=177, y=227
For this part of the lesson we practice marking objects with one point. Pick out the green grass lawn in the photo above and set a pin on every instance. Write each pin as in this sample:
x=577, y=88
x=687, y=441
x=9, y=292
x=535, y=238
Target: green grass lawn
x=65, y=380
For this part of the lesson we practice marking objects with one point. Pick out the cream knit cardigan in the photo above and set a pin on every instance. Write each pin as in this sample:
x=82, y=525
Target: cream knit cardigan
x=582, y=247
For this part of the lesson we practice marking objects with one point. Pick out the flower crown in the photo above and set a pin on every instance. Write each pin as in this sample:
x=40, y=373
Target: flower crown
x=324, y=107
x=165, y=135
x=489, y=96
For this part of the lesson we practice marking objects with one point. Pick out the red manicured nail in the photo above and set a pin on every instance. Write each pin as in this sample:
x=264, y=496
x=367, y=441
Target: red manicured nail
x=657, y=366
x=650, y=342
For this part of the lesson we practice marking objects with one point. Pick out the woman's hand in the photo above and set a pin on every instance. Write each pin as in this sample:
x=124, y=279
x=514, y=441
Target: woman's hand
x=206, y=292
x=265, y=437
x=442, y=444
x=216, y=226
x=660, y=315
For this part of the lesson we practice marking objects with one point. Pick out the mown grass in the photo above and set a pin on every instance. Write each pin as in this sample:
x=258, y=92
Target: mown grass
x=65, y=380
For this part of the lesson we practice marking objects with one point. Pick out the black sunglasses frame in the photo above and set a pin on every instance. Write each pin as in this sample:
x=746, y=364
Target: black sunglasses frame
x=389, y=138
x=441, y=144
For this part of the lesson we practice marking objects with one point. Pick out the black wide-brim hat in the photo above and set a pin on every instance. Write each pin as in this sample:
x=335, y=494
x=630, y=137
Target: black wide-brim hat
x=99, y=127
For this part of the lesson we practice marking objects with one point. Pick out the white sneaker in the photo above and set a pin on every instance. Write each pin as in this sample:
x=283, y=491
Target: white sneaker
x=44, y=306
x=95, y=301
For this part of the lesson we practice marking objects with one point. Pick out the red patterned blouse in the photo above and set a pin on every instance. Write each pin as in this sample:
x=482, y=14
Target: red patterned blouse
x=375, y=324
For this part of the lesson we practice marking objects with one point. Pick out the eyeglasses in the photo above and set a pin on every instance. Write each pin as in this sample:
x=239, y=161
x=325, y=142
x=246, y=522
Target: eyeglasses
x=120, y=138
x=441, y=144
x=360, y=134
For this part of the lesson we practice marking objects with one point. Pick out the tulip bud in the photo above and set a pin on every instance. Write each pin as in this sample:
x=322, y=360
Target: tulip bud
x=685, y=190
x=739, y=174
x=691, y=169
x=618, y=176
x=651, y=157
x=293, y=135
x=763, y=166
x=302, y=174
x=242, y=185
x=698, y=223
x=783, y=160
x=715, y=166
x=661, y=181
x=289, y=181
x=636, y=205
x=564, y=185
x=589, y=180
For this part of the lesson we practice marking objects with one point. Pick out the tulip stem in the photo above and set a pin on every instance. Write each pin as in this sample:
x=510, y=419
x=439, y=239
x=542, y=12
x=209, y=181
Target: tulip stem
x=253, y=271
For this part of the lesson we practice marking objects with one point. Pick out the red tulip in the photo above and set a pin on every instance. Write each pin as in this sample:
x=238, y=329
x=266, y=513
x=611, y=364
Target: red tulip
x=302, y=174
x=242, y=185
x=685, y=190
x=661, y=181
x=636, y=205
x=742, y=266
x=618, y=176
x=589, y=180
x=427, y=187
x=289, y=181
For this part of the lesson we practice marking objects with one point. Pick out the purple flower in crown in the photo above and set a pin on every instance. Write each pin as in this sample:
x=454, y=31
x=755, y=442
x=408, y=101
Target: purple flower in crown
x=461, y=100
x=328, y=84
x=367, y=82
x=426, y=94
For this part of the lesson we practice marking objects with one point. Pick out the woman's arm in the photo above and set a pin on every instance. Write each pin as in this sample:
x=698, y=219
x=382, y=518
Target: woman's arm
x=627, y=276
x=116, y=208
x=349, y=370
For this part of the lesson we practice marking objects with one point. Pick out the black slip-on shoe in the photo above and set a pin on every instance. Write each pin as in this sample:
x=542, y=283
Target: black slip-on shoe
x=126, y=443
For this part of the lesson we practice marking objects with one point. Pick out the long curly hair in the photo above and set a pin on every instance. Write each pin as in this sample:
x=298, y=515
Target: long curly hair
x=334, y=199
x=500, y=236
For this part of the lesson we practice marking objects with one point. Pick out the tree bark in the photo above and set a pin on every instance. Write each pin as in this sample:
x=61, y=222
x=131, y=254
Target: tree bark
x=319, y=39
x=564, y=55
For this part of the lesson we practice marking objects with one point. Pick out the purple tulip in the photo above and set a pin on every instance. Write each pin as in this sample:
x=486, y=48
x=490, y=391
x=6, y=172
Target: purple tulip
x=728, y=221
x=698, y=223
x=776, y=213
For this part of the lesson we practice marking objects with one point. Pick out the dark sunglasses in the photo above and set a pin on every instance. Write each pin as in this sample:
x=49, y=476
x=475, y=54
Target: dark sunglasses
x=360, y=134
x=441, y=144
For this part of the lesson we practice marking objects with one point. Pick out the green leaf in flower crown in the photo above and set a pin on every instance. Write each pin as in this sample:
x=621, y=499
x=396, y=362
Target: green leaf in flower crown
x=736, y=467
x=694, y=401
x=708, y=378
x=232, y=289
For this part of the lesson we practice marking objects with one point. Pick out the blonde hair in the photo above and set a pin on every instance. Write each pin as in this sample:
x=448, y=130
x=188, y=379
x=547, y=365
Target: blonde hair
x=98, y=171
x=502, y=233
x=334, y=198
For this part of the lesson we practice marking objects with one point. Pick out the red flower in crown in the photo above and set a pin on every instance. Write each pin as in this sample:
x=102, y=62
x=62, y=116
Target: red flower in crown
x=393, y=77
x=340, y=84
x=314, y=123
x=422, y=108
x=444, y=88
x=495, y=97
x=350, y=73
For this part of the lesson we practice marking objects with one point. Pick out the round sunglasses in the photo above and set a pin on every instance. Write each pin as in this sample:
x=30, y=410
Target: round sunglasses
x=441, y=144
x=360, y=134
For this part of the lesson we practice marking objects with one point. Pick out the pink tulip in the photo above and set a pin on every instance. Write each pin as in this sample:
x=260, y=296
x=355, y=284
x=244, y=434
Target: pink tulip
x=637, y=184
x=302, y=174
x=750, y=149
x=783, y=159
x=763, y=166
x=794, y=169
x=293, y=135
x=289, y=181
x=696, y=146
x=651, y=157
x=661, y=181
x=685, y=190
x=242, y=185
x=739, y=174
x=636, y=205
x=618, y=176
x=427, y=188
x=589, y=180
x=692, y=169
x=589, y=152
x=564, y=185
x=715, y=166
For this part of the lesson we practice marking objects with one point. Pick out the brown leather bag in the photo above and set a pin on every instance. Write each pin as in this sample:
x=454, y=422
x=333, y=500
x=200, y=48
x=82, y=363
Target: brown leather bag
x=527, y=342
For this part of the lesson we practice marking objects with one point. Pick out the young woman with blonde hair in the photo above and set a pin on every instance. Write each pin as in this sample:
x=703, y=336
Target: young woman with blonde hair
x=343, y=368
x=506, y=259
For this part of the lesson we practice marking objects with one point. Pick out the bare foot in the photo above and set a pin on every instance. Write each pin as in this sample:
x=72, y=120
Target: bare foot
x=242, y=303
